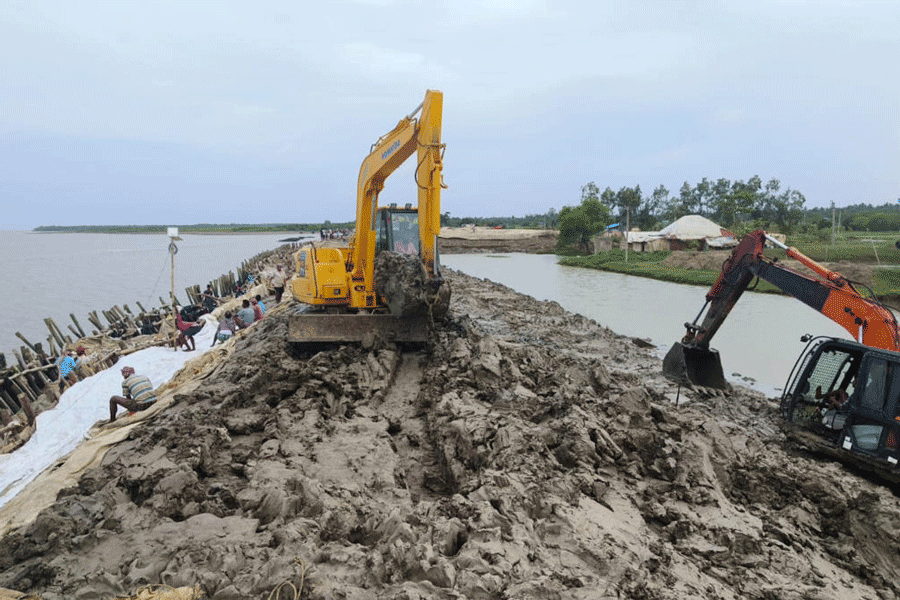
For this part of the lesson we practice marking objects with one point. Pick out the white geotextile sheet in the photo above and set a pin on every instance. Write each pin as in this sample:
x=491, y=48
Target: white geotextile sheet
x=62, y=428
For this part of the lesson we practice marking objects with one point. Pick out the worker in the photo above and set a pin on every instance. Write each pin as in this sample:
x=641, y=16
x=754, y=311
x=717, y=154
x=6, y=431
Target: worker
x=257, y=310
x=186, y=332
x=137, y=394
x=226, y=329
x=246, y=316
x=67, y=366
x=834, y=416
x=278, y=283
x=209, y=299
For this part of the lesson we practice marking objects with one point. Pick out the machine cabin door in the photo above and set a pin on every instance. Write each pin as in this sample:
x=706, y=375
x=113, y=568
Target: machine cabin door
x=398, y=231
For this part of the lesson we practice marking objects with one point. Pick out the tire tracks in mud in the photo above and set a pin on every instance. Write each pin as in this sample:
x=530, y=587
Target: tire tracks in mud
x=404, y=406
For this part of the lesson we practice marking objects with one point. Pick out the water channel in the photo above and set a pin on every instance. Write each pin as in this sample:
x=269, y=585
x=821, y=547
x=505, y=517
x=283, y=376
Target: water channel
x=759, y=342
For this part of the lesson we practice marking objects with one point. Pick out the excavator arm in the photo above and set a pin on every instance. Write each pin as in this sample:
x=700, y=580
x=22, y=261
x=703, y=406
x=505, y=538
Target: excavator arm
x=422, y=136
x=866, y=319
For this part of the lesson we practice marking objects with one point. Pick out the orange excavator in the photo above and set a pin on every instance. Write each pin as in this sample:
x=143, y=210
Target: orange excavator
x=845, y=394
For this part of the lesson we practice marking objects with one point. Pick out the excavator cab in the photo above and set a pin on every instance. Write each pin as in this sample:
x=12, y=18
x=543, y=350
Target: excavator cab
x=397, y=230
x=847, y=395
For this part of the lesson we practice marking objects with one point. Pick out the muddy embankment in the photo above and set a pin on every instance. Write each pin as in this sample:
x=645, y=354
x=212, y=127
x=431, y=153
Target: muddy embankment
x=524, y=453
x=470, y=240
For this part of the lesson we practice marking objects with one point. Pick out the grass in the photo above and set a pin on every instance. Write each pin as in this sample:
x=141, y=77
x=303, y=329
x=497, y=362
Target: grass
x=649, y=264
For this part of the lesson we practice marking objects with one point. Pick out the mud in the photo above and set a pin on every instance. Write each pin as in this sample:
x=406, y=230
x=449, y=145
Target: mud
x=525, y=453
x=402, y=281
x=468, y=240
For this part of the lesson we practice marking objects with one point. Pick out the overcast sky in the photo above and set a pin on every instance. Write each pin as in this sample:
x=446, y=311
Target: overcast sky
x=164, y=112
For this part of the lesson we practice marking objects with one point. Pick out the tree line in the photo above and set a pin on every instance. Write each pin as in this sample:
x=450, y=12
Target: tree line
x=726, y=202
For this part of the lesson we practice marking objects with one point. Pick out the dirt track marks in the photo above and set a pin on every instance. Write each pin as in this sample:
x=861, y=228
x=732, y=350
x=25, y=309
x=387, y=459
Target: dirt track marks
x=402, y=407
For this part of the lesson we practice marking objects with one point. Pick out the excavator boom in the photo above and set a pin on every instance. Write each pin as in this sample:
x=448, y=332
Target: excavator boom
x=869, y=322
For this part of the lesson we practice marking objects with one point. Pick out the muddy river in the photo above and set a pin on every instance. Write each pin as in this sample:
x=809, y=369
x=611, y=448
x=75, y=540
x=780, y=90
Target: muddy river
x=759, y=342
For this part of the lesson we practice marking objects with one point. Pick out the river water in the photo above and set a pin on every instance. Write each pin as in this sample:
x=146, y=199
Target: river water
x=52, y=275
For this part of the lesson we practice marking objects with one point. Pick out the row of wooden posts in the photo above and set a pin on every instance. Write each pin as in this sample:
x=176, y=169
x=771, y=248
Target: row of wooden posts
x=29, y=376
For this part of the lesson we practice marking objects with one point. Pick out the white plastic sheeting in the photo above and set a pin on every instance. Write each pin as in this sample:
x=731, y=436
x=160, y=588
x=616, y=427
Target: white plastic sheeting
x=61, y=429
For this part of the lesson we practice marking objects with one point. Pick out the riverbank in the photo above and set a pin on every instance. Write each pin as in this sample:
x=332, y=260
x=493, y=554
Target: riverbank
x=465, y=240
x=703, y=268
x=524, y=452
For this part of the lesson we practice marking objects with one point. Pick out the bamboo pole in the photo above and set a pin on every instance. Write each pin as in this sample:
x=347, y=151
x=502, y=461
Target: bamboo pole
x=53, y=332
x=95, y=320
x=24, y=390
x=64, y=336
x=27, y=343
x=141, y=306
x=37, y=369
x=19, y=359
x=11, y=403
x=77, y=324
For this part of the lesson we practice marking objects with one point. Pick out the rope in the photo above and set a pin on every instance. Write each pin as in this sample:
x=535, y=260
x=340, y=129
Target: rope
x=276, y=593
x=158, y=277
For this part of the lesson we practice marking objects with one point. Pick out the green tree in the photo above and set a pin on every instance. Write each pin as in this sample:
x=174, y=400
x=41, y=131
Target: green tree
x=579, y=224
x=590, y=191
x=687, y=201
x=702, y=195
x=720, y=189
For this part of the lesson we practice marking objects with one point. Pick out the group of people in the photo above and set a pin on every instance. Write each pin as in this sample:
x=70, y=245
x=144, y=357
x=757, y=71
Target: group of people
x=137, y=390
x=250, y=312
x=69, y=363
x=332, y=234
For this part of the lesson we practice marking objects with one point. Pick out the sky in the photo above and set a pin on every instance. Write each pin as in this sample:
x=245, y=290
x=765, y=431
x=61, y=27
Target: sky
x=172, y=112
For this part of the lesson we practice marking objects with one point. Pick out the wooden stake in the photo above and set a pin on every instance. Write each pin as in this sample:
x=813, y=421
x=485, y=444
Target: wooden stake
x=77, y=324
x=53, y=333
x=27, y=343
x=19, y=359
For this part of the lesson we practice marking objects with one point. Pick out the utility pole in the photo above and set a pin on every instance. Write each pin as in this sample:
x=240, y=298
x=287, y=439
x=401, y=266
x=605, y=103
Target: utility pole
x=173, y=250
x=627, y=229
x=832, y=222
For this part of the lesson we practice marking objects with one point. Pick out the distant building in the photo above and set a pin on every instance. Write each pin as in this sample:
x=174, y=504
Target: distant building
x=680, y=235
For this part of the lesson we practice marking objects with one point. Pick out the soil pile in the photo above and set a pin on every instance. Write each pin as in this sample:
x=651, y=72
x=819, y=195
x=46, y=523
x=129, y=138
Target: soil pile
x=526, y=452
x=402, y=281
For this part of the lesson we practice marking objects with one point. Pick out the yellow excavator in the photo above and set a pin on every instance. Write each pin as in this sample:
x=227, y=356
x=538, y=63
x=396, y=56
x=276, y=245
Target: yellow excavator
x=346, y=298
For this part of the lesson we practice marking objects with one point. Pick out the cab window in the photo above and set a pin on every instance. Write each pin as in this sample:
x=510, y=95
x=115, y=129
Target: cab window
x=405, y=230
x=875, y=395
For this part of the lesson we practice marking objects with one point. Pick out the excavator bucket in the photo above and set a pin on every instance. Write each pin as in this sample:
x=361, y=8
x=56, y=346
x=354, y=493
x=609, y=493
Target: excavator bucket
x=692, y=365
x=314, y=327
